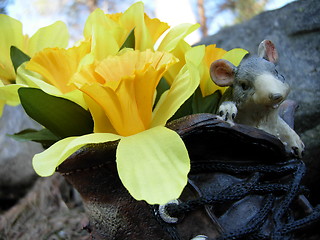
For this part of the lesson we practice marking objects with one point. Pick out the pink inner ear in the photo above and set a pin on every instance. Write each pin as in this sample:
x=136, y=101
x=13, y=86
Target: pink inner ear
x=222, y=73
x=268, y=51
x=271, y=52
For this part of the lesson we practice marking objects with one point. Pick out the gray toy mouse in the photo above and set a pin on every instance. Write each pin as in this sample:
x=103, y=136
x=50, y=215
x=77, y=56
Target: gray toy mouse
x=255, y=94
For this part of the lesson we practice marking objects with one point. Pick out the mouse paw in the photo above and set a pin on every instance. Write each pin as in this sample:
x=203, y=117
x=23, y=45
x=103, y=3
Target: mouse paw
x=228, y=111
x=296, y=146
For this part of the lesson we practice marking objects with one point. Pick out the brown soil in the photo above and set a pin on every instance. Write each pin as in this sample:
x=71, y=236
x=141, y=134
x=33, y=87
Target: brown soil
x=52, y=210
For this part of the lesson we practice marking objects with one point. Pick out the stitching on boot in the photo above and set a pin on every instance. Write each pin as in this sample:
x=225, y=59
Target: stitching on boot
x=83, y=169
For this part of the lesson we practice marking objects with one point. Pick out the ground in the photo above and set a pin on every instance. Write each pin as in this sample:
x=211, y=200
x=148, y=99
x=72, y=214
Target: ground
x=51, y=210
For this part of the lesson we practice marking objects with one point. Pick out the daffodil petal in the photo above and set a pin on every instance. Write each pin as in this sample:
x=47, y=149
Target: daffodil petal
x=179, y=51
x=175, y=35
x=58, y=65
x=181, y=89
x=9, y=94
x=156, y=27
x=45, y=163
x=32, y=79
x=100, y=119
x=106, y=34
x=235, y=55
x=133, y=17
x=153, y=165
x=195, y=55
x=2, y=104
x=54, y=35
x=207, y=86
x=11, y=35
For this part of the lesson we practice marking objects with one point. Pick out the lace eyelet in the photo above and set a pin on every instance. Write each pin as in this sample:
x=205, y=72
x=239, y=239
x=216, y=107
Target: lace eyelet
x=164, y=213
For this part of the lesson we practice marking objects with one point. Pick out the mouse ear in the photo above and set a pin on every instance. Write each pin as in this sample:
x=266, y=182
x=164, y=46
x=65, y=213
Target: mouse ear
x=222, y=72
x=268, y=51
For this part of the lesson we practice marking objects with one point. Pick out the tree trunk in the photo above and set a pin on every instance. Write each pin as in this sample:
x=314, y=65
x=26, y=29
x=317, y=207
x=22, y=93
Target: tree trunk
x=202, y=18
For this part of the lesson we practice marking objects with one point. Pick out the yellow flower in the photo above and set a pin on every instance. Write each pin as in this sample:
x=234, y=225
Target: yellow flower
x=125, y=89
x=105, y=34
x=57, y=65
x=211, y=53
x=12, y=35
x=52, y=69
x=119, y=88
x=120, y=95
x=55, y=35
x=109, y=32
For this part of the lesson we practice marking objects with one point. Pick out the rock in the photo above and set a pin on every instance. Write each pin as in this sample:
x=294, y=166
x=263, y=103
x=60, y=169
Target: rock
x=16, y=172
x=295, y=30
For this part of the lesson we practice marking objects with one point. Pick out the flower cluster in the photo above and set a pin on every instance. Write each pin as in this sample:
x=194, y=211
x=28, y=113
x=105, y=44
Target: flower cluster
x=114, y=84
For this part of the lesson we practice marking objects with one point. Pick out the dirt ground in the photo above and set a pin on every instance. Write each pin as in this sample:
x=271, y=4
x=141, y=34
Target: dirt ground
x=51, y=210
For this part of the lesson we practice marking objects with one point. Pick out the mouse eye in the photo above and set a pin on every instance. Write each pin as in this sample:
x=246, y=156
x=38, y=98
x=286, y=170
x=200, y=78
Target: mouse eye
x=244, y=86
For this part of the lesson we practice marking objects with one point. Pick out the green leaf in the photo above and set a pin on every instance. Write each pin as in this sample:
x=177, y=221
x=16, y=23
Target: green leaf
x=208, y=104
x=62, y=117
x=130, y=41
x=17, y=57
x=184, y=110
x=43, y=136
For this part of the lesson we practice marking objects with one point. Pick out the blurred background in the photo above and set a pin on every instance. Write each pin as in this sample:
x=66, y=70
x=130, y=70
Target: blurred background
x=211, y=14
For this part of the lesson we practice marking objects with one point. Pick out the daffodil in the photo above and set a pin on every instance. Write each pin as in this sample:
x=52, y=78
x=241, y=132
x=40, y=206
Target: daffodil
x=116, y=71
x=109, y=31
x=120, y=94
x=105, y=34
x=52, y=69
x=55, y=35
x=211, y=53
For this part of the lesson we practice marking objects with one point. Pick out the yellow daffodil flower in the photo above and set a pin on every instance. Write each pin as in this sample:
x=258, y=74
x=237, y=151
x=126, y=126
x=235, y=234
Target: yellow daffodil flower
x=109, y=31
x=124, y=88
x=105, y=34
x=211, y=54
x=52, y=69
x=55, y=35
x=120, y=95
x=118, y=86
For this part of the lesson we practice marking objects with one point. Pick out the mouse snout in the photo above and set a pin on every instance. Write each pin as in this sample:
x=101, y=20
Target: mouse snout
x=276, y=97
x=269, y=91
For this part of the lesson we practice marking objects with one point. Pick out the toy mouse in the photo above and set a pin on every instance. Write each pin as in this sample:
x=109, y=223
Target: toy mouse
x=255, y=94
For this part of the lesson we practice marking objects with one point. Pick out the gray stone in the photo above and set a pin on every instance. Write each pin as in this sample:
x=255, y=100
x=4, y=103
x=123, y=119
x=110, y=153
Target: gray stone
x=16, y=172
x=295, y=30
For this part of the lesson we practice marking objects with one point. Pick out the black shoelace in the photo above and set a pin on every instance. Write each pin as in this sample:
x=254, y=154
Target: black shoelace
x=284, y=224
